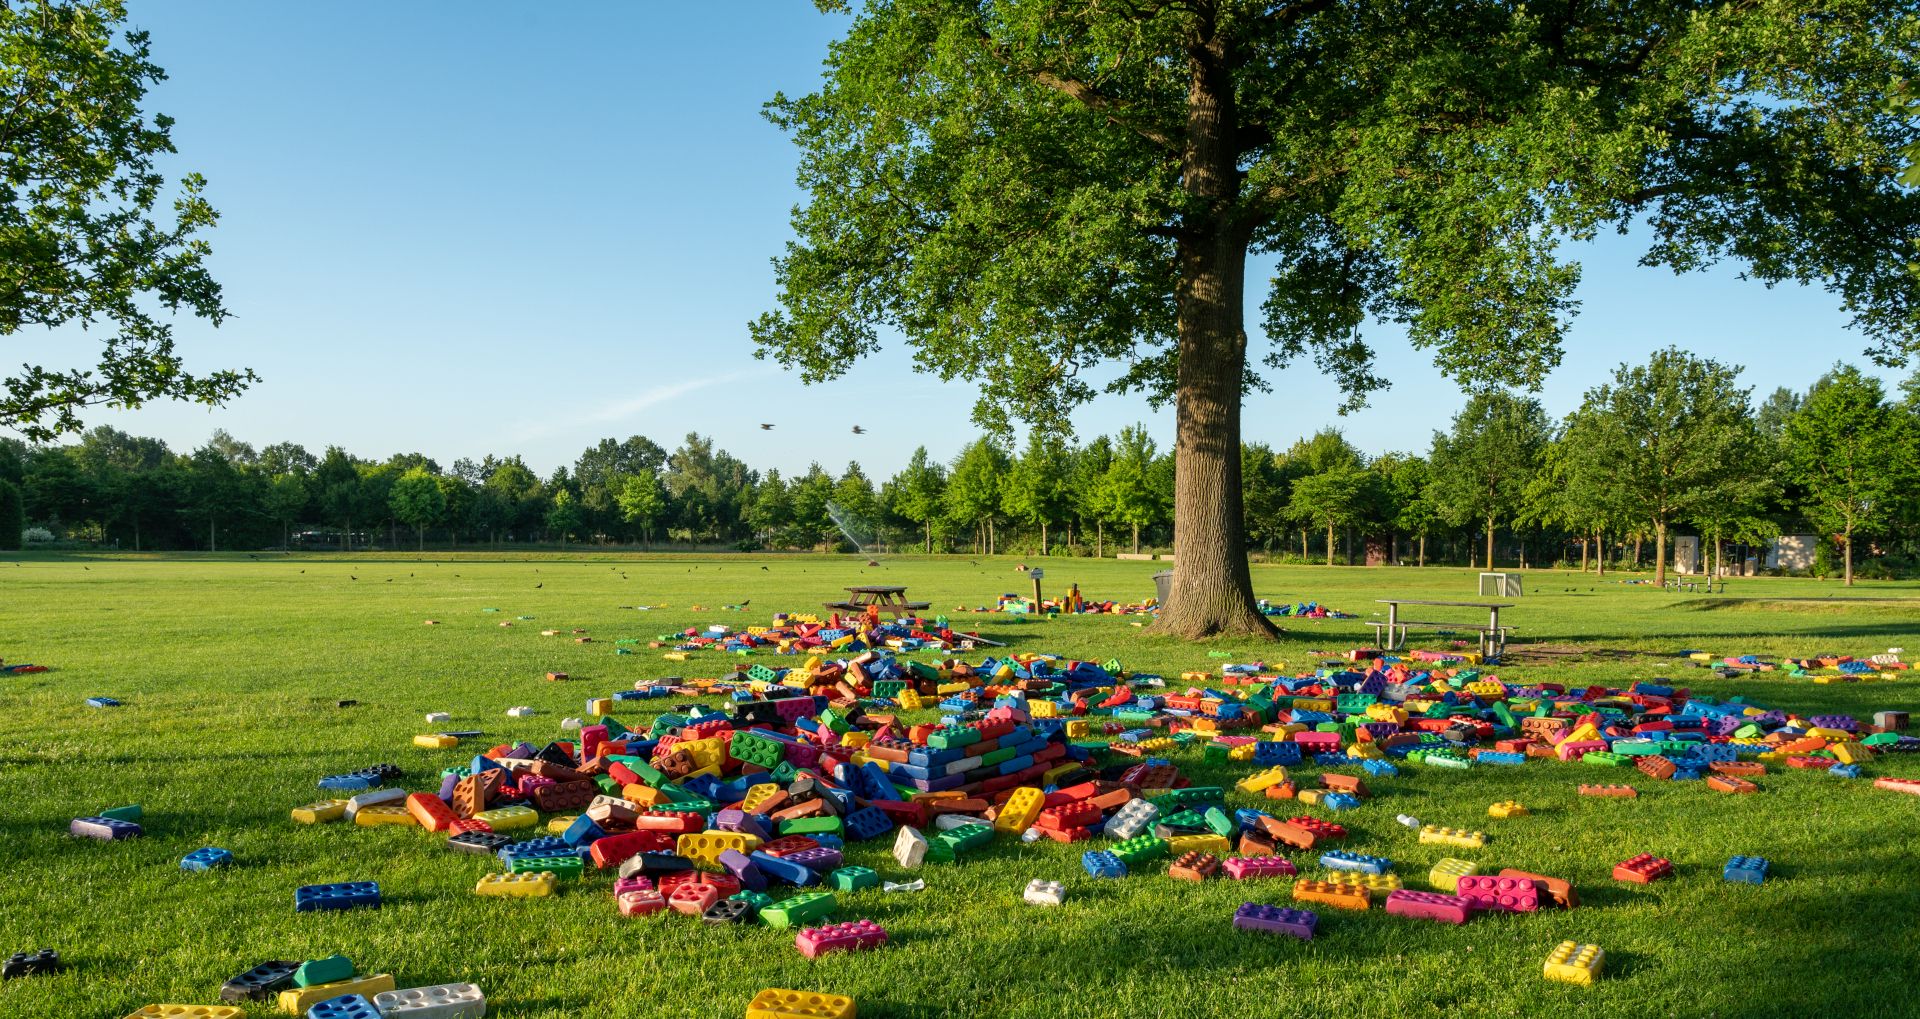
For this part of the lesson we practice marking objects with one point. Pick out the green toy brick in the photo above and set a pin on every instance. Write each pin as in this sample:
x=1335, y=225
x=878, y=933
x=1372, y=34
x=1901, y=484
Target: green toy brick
x=130, y=813
x=1605, y=758
x=811, y=826
x=559, y=866
x=1139, y=850
x=799, y=910
x=852, y=879
x=323, y=971
x=758, y=900
x=953, y=737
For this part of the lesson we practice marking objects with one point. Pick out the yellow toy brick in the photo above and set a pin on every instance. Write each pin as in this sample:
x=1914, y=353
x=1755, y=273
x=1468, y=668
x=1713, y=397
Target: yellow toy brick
x=758, y=795
x=1053, y=775
x=1445, y=875
x=1507, y=808
x=778, y=1003
x=522, y=885
x=320, y=812
x=598, y=706
x=704, y=848
x=1078, y=729
x=1831, y=735
x=1366, y=752
x=676, y=656
x=1851, y=753
x=384, y=813
x=1312, y=704
x=1582, y=733
x=952, y=688
x=296, y=1000
x=1192, y=676
x=1436, y=835
x=1043, y=709
x=509, y=818
x=1574, y=963
x=910, y=700
x=559, y=825
x=1312, y=797
x=1243, y=752
x=1378, y=884
x=1018, y=813
x=187, y=1012
x=1387, y=713
x=1156, y=744
x=1209, y=843
x=435, y=741
x=1260, y=781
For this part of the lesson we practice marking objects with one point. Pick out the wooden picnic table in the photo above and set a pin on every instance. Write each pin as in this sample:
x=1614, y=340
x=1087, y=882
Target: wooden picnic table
x=874, y=599
x=1493, y=637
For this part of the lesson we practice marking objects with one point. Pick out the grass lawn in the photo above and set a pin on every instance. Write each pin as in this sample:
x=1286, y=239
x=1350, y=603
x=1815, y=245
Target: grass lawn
x=230, y=668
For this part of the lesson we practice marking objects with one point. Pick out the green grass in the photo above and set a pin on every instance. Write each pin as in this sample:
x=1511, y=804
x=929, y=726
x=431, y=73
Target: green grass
x=230, y=668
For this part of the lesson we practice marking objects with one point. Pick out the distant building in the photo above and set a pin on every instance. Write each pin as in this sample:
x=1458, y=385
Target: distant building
x=1792, y=552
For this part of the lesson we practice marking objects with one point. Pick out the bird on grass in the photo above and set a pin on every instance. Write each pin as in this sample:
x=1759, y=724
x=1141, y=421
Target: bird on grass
x=763, y=569
x=352, y=577
x=540, y=585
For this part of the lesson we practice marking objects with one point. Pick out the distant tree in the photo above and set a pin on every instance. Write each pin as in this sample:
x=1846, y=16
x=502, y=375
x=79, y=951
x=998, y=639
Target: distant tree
x=1410, y=484
x=812, y=524
x=1671, y=437
x=418, y=502
x=214, y=487
x=1325, y=451
x=337, y=486
x=642, y=502
x=563, y=517
x=517, y=498
x=286, y=499
x=918, y=489
x=84, y=251
x=1035, y=492
x=1771, y=418
x=770, y=515
x=1568, y=491
x=1132, y=496
x=457, y=494
x=973, y=490
x=1851, y=455
x=1263, y=490
x=1333, y=498
x=608, y=459
x=1088, y=492
x=853, y=494
x=1482, y=467
x=13, y=516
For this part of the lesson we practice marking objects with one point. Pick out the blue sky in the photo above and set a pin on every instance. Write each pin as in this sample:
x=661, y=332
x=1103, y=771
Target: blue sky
x=490, y=228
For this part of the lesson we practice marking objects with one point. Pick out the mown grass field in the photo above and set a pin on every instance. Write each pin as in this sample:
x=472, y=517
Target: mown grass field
x=230, y=668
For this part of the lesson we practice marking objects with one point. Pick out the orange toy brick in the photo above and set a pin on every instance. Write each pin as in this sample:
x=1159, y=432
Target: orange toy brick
x=1552, y=889
x=1343, y=783
x=1899, y=785
x=1748, y=769
x=1195, y=867
x=1655, y=767
x=1644, y=869
x=1730, y=784
x=432, y=813
x=1335, y=894
x=1625, y=792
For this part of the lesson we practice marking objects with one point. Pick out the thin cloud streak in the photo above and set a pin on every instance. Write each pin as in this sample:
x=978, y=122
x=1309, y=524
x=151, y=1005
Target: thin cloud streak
x=627, y=407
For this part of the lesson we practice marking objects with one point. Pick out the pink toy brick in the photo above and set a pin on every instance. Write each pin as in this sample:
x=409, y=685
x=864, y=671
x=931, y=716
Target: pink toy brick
x=1429, y=906
x=1499, y=894
x=1242, y=868
x=815, y=942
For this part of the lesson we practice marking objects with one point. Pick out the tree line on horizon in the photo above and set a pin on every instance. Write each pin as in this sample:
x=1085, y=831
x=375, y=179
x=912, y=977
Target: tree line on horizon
x=1674, y=444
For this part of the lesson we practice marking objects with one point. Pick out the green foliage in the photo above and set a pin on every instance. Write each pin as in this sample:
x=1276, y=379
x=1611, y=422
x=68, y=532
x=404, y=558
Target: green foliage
x=563, y=517
x=79, y=233
x=1132, y=493
x=1333, y=498
x=1035, y=492
x=1853, y=455
x=1481, y=469
x=417, y=500
x=641, y=501
x=13, y=516
x=974, y=481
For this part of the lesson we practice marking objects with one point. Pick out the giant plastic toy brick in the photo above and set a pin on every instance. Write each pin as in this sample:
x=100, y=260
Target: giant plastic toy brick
x=1574, y=963
x=106, y=829
x=1433, y=834
x=779, y=1003
x=1746, y=869
x=321, y=811
x=1499, y=894
x=439, y=1001
x=1429, y=906
x=1194, y=867
x=346, y=1006
x=297, y=1000
x=1626, y=792
x=1340, y=859
x=1343, y=896
x=189, y=1012
x=520, y=884
x=1246, y=868
x=31, y=964
x=1446, y=874
x=206, y=859
x=1643, y=869
x=260, y=982
x=332, y=969
x=1041, y=892
x=797, y=910
x=1100, y=863
x=1299, y=923
x=343, y=895
x=814, y=942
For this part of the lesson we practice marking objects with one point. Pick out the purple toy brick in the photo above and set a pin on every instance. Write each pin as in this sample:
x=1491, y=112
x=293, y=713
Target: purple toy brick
x=1429, y=906
x=447, y=784
x=742, y=867
x=1252, y=916
x=820, y=859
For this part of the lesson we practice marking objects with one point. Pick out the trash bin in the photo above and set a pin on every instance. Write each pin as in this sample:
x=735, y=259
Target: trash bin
x=1162, y=586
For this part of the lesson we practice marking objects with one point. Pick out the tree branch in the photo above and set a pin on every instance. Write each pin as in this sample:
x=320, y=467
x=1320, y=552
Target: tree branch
x=1093, y=99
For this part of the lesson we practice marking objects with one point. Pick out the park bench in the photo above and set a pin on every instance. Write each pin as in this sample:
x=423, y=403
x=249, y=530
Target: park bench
x=1391, y=634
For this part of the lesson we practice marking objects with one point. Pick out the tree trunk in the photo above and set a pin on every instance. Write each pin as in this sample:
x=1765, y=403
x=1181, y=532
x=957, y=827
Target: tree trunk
x=1212, y=587
x=1303, y=544
x=420, y=534
x=929, y=523
x=1637, y=539
x=1846, y=550
x=1659, y=553
x=1489, y=565
x=1599, y=555
x=1136, y=539
x=1043, y=537
x=1099, y=539
x=1716, y=560
x=1423, y=550
x=1583, y=555
x=991, y=547
x=212, y=545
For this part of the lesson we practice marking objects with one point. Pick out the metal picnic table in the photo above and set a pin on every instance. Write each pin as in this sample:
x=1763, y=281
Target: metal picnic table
x=1393, y=632
x=876, y=599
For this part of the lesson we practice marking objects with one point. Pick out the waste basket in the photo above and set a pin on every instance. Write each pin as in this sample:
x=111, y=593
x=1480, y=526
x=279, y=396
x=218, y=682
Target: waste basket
x=1162, y=586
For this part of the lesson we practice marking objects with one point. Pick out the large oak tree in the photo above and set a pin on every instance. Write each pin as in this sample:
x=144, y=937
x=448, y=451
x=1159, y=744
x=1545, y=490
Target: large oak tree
x=1040, y=194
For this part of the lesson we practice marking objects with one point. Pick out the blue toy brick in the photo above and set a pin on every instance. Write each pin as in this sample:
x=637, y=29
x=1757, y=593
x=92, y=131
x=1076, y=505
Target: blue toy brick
x=1681, y=774
x=102, y=702
x=1100, y=863
x=867, y=823
x=1711, y=752
x=1499, y=757
x=1380, y=769
x=344, y=895
x=781, y=869
x=1271, y=752
x=536, y=848
x=1340, y=859
x=1844, y=771
x=346, y=1006
x=1247, y=817
x=1331, y=759
x=582, y=832
x=1746, y=869
x=206, y=859
x=1339, y=801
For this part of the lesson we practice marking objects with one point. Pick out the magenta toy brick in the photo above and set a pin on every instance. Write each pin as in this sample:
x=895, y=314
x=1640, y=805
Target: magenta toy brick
x=815, y=942
x=1242, y=868
x=1429, y=906
x=1252, y=916
x=636, y=883
x=1573, y=750
x=1499, y=894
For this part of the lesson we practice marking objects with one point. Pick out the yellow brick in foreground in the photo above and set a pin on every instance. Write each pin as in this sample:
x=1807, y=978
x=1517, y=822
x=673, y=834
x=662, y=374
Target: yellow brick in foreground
x=1435, y=835
x=324, y=810
x=521, y=885
x=1445, y=875
x=1574, y=963
x=187, y=1012
x=777, y=1003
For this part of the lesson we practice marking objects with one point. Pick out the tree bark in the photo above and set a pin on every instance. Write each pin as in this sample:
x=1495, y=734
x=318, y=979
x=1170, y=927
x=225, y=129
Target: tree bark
x=420, y=534
x=1659, y=553
x=1212, y=587
x=1136, y=539
x=1846, y=551
x=1423, y=549
x=212, y=544
x=1599, y=555
x=1099, y=539
x=1043, y=537
x=1489, y=565
x=1583, y=555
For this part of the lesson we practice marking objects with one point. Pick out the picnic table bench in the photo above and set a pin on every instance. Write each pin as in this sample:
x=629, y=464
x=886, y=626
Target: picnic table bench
x=1392, y=634
x=875, y=599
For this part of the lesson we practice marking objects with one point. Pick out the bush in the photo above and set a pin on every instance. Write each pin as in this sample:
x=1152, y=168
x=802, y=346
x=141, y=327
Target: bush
x=37, y=536
x=13, y=518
